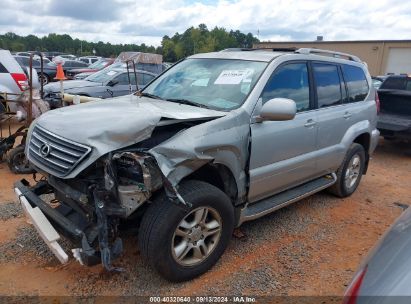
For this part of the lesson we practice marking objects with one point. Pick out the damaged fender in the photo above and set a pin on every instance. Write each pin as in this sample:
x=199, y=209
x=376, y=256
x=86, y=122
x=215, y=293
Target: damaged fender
x=222, y=141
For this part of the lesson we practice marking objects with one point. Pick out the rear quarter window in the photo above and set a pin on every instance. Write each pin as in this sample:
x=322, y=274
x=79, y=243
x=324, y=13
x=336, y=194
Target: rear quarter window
x=356, y=81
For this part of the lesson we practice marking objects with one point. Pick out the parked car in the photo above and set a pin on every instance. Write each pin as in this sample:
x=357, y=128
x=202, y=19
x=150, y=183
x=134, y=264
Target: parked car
x=49, y=68
x=13, y=79
x=378, y=80
x=50, y=55
x=216, y=140
x=71, y=64
x=394, y=120
x=384, y=277
x=89, y=59
x=103, y=84
x=81, y=76
x=63, y=57
x=96, y=66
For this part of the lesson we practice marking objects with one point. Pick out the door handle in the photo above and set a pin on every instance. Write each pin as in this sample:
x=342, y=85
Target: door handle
x=347, y=115
x=310, y=123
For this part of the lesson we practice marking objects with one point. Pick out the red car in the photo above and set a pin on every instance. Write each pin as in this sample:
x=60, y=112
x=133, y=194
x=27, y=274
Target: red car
x=96, y=66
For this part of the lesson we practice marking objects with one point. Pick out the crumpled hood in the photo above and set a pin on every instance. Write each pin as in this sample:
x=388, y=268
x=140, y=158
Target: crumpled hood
x=115, y=123
x=71, y=84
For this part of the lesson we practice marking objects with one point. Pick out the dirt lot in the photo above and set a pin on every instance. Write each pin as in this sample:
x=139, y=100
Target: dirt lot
x=310, y=248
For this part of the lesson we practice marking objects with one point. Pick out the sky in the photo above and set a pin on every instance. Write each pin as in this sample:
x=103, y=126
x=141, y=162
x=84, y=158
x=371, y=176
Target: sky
x=147, y=21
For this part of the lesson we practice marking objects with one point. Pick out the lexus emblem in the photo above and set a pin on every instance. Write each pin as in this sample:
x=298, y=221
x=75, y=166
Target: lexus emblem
x=45, y=150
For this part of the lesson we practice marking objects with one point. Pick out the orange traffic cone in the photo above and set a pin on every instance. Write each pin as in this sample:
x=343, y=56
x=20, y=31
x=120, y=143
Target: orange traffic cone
x=60, y=73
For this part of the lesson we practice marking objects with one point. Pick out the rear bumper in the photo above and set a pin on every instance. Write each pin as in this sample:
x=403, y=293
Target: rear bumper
x=375, y=134
x=395, y=125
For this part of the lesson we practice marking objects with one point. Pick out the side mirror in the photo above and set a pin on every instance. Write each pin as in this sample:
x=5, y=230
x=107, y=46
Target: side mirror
x=112, y=83
x=278, y=109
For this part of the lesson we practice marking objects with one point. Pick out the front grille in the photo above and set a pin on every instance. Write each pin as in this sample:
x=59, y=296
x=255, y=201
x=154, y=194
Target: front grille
x=55, y=154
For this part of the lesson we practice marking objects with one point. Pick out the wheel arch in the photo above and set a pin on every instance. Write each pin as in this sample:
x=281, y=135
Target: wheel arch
x=218, y=175
x=364, y=140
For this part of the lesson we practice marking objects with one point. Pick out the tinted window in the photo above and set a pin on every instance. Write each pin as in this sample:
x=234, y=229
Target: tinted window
x=78, y=64
x=408, y=87
x=356, y=83
x=84, y=60
x=23, y=61
x=328, y=84
x=146, y=79
x=67, y=64
x=289, y=81
x=123, y=79
x=396, y=83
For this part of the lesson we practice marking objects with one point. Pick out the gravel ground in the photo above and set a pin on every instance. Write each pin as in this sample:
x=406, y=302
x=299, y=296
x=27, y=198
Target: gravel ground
x=10, y=210
x=310, y=248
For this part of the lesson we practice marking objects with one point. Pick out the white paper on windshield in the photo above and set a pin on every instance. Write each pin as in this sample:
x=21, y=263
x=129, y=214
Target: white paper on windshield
x=230, y=77
x=234, y=76
x=111, y=73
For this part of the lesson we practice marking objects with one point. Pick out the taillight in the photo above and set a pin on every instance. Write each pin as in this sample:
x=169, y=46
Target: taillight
x=21, y=80
x=377, y=102
x=350, y=296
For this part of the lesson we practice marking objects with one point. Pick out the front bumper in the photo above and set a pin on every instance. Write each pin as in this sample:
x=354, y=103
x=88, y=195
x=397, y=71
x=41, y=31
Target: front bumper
x=47, y=220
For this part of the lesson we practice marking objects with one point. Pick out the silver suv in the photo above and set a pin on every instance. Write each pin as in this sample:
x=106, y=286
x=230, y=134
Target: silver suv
x=216, y=140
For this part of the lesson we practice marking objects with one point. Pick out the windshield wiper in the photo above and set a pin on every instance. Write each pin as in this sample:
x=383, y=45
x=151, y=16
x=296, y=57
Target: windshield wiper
x=148, y=95
x=187, y=102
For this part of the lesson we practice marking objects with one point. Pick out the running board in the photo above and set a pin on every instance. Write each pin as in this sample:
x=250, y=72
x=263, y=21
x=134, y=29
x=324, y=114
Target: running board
x=273, y=203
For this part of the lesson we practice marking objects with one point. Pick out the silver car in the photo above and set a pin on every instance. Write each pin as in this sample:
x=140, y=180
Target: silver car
x=216, y=140
x=109, y=82
x=384, y=277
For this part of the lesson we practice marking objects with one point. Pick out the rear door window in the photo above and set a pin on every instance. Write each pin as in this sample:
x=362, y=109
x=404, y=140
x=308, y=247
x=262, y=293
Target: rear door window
x=328, y=84
x=408, y=87
x=289, y=81
x=356, y=81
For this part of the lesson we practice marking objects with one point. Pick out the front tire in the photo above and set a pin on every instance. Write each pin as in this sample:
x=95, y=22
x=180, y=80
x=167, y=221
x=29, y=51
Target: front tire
x=18, y=162
x=181, y=242
x=350, y=172
x=45, y=79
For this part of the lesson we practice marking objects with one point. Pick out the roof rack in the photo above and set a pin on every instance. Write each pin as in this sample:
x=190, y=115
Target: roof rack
x=307, y=51
x=292, y=49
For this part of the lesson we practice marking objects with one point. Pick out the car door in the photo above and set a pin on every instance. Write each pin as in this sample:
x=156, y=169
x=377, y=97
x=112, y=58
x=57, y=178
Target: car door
x=283, y=152
x=338, y=109
x=122, y=86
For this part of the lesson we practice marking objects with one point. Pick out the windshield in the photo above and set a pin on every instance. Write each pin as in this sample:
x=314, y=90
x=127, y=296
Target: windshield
x=98, y=65
x=102, y=76
x=221, y=84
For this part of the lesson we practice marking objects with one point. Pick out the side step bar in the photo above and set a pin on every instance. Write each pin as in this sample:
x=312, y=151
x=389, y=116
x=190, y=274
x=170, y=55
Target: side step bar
x=285, y=198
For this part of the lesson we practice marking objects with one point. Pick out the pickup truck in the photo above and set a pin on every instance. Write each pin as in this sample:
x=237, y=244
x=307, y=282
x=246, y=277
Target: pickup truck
x=394, y=120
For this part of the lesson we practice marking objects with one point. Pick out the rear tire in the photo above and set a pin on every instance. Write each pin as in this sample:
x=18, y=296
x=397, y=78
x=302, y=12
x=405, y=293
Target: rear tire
x=181, y=242
x=350, y=172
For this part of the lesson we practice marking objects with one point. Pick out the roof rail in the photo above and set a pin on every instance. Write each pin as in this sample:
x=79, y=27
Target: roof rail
x=292, y=49
x=327, y=52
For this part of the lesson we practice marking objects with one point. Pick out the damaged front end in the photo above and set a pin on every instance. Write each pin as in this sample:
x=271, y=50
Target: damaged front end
x=88, y=209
